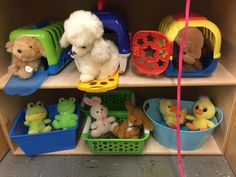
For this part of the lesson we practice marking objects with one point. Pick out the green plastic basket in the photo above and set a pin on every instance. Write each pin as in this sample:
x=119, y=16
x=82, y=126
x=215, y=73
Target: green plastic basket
x=114, y=100
x=114, y=146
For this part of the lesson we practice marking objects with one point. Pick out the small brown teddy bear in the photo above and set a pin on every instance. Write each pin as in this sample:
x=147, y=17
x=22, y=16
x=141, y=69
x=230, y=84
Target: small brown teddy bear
x=130, y=127
x=26, y=54
x=193, y=45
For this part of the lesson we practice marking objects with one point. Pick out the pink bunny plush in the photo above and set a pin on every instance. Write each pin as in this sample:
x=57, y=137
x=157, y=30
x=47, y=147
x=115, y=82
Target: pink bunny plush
x=103, y=124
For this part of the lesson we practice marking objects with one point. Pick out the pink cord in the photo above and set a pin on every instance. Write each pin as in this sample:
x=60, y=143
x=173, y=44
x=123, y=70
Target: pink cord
x=180, y=165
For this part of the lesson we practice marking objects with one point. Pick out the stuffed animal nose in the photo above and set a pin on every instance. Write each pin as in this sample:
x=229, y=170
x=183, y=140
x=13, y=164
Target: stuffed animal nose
x=19, y=51
x=173, y=108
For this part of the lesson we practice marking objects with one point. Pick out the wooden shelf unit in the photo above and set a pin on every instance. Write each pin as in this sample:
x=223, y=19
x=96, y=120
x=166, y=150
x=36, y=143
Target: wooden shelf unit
x=214, y=146
x=220, y=86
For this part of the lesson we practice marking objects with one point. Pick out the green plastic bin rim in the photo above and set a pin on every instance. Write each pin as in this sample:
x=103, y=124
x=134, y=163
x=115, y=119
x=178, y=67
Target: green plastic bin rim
x=120, y=90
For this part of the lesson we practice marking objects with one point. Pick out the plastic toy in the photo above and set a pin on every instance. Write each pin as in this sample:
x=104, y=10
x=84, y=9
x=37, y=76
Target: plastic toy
x=103, y=123
x=203, y=111
x=170, y=27
x=100, y=85
x=26, y=54
x=131, y=126
x=48, y=34
x=168, y=110
x=153, y=51
x=116, y=24
x=66, y=118
x=35, y=118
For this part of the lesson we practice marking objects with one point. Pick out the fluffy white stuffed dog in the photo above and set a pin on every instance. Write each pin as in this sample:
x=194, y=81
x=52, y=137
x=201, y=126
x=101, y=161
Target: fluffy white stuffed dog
x=95, y=57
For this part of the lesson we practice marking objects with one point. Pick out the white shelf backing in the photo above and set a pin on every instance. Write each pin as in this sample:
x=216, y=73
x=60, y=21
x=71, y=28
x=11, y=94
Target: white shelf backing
x=151, y=148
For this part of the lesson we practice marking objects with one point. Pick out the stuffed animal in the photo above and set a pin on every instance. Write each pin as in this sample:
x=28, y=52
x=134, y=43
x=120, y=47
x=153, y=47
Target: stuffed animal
x=168, y=111
x=103, y=123
x=66, y=118
x=130, y=127
x=192, y=48
x=203, y=110
x=26, y=54
x=35, y=118
x=95, y=57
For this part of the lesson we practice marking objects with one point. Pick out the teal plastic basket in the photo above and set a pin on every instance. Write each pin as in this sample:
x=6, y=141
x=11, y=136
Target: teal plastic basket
x=190, y=140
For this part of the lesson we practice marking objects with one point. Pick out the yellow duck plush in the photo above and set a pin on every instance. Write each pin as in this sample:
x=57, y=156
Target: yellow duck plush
x=168, y=111
x=203, y=110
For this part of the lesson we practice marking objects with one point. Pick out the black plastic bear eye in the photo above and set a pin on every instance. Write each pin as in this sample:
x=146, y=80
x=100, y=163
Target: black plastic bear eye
x=169, y=106
x=83, y=47
x=30, y=46
x=205, y=110
x=196, y=107
x=102, y=109
x=97, y=112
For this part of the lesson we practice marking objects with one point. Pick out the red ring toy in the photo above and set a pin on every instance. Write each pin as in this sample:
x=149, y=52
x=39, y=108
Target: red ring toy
x=151, y=52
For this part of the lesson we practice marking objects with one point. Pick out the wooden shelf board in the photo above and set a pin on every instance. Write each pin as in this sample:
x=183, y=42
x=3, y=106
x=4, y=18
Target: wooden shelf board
x=151, y=148
x=69, y=76
x=132, y=78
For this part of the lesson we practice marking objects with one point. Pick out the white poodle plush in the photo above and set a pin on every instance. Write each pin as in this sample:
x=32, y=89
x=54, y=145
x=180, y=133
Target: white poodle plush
x=95, y=57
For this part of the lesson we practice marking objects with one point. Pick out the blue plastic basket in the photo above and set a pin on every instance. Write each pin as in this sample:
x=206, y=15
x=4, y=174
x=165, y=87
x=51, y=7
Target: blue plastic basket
x=190, y=140
x=34, y=144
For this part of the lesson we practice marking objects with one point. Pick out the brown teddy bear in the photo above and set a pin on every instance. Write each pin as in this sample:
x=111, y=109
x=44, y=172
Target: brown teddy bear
x=194, y=42
x=26, y=54
x=130, y=127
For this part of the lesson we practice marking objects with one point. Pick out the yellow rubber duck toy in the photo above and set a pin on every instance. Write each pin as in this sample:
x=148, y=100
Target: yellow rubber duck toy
x=168, y=111
x=203, y=110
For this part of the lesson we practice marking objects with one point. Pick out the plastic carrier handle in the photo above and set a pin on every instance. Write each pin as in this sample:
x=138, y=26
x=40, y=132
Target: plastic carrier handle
x=87, y=125
x=40, y=24
x=147, y=106
x=220, y=116
x=89, y=121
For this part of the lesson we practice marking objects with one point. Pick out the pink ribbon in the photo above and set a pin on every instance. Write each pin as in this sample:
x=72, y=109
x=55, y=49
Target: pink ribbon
x=180, y=164
x=105, y=121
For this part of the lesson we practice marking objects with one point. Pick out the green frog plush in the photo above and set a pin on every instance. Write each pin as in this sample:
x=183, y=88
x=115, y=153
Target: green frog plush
x=35, y=118
x=66, y=118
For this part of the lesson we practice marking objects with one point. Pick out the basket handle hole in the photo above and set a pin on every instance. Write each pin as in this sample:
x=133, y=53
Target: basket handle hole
x=147, y=106
x=218, y=116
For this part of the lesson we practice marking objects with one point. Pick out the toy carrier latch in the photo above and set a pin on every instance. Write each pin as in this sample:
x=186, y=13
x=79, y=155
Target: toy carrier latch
x=151, y=52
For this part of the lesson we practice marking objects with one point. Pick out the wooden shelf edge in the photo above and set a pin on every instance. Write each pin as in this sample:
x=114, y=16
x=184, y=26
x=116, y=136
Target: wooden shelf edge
x=67, y=79
x=151, y=148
